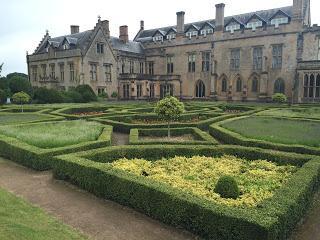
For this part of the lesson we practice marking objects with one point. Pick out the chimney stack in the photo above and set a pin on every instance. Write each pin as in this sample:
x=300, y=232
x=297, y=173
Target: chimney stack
x=220, y=17
x=105, y=27
x=180, y=23
x=141, y=25
x=298, y=9
x=74, y=29
x=124, y=36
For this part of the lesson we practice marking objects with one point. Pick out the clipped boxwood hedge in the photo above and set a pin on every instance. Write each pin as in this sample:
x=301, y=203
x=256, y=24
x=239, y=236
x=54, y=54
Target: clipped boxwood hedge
x=274, y=218
x=201, y=138
x=122, y=123
x=230, y=137
x=42, y=159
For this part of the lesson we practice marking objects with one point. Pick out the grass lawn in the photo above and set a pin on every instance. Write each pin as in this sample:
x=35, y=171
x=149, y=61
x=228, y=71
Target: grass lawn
x=15, y=118
x=54, y=134
x=275, y=130
x=257, y=180
x=19, y=220
x=293, y=112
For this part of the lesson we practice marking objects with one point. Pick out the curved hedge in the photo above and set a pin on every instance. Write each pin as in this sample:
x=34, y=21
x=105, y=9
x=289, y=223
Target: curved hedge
x=42, y=159
x=229, y=137
x=272, y=219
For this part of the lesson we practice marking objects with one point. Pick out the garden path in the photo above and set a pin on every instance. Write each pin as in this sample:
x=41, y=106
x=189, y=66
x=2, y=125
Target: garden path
x=119, y=139
x=96, y=218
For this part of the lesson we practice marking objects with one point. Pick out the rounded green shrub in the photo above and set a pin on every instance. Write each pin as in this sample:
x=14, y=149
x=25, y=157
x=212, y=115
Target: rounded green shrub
x=87, y=93
x=114, y=95
x=279, y=98
x=227, y=187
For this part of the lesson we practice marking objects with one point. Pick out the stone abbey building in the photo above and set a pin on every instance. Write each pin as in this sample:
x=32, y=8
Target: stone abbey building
x=244, y=57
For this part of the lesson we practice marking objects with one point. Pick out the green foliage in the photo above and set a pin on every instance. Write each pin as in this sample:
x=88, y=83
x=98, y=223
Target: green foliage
x=44, y=95
x=18, y=83
x=72, y=96
x=273, y=219
x=104, y=95
x=20, y=220
x=1, y=65
x=227, y=187
x=169, y=109
x=54, y=134
x=277, y=130
x=114, y=95
x=252, y=131
x=87, y=93
x=279, y=98
x=15, y=118
x=21, y=98
x=3, y=96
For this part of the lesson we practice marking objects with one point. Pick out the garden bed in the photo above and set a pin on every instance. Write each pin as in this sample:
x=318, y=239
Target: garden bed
x=189, y=136
x=7, y=118
x=169, y=190
x=285, y=134
x=34, y=145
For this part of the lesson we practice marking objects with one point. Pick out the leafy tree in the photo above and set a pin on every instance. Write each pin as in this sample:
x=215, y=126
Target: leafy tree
x=1, y=65
x=72, y=97
x=279, y=98
x=19, y=84
x=21, y=98
x=169, y=109
x=227, y=187
x=3, y=96
x=87, y=93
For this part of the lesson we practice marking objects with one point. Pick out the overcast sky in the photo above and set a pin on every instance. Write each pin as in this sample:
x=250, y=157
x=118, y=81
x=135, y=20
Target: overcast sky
x=23, y=23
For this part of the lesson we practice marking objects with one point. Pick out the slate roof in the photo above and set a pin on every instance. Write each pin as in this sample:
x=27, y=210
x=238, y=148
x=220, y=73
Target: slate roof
x=82, y=39
x=146, y=35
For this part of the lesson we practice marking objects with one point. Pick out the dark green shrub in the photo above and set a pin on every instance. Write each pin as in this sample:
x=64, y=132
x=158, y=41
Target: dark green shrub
x=114, y=95
x=104, y=95
x=87, y=93
x=227, y=187
x=44, y=95
x=3, y=96
x=279, y=98
x=72, y=97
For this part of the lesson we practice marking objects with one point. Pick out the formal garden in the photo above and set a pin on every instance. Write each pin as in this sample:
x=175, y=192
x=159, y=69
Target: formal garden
x=218, y=170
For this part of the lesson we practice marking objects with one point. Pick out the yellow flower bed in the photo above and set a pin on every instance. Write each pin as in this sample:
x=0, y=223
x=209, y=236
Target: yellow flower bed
x=197, y=175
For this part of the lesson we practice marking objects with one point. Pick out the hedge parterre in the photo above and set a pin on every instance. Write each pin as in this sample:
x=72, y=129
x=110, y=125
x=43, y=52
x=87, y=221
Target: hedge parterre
x=272, y=218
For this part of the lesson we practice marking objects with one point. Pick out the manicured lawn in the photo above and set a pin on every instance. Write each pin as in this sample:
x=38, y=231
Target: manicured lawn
x=257, y=180
x=275, y=130
x=293, y=112
x=54, y=134
x=14, y=118
x=19, y=220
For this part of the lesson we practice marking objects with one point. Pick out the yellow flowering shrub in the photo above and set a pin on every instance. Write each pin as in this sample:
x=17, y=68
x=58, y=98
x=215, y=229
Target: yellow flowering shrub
x=197, y=175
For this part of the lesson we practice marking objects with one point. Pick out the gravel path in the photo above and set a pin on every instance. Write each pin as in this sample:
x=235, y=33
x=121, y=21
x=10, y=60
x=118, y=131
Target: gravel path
x=96, y=218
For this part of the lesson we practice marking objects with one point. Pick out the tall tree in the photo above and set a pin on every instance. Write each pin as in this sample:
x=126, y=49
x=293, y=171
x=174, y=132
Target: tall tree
x=1, y=65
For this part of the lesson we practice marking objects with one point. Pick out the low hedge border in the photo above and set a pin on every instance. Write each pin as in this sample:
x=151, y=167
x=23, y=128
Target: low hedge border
x=263, y=113
x=124, y=127
x=230, y=137
x=42, y=159
x=274, y=218
x=48, y=117
x=200, y=137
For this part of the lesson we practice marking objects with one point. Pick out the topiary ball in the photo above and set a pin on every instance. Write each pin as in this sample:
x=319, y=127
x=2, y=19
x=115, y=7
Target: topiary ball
x=227, y=187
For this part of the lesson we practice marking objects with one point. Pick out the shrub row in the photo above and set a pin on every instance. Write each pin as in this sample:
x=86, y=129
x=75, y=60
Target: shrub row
x=229, y=137
x=273, y=219
x=42, y=159
x=200, y=137
x=120, y=125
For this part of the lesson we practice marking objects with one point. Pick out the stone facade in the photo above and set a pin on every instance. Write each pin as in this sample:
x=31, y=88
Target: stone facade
x=247, y=57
